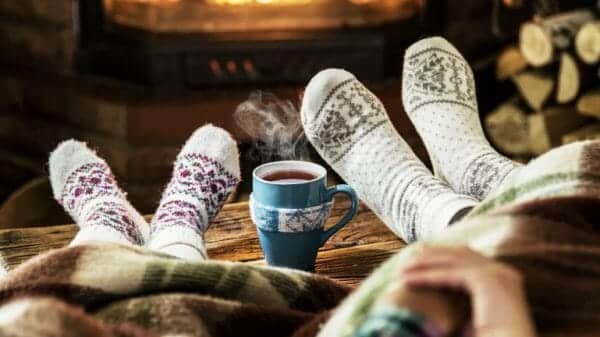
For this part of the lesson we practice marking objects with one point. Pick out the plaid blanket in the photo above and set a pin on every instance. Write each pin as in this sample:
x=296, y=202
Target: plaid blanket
x=544, y=221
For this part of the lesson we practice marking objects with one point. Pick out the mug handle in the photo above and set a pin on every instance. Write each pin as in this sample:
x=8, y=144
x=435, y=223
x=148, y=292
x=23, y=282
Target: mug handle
x=349, y=191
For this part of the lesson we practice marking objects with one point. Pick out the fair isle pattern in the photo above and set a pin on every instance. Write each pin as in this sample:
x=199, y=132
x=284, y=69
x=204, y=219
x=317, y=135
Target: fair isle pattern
x=347, y=109
x=289, y=220
x=179, y=213
x=542, y=221
x=91, y=196
x=438, y=92
x=201, y=178
x=435, y=75
x=86, y=183
x=485, y=173
x=353, y=133
x=114, y=215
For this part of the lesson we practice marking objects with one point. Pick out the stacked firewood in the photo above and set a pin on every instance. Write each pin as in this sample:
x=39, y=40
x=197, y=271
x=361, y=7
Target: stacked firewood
x=555, y=70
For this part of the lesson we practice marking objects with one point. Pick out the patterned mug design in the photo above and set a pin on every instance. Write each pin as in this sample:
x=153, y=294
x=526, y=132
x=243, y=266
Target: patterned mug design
x=290, y=217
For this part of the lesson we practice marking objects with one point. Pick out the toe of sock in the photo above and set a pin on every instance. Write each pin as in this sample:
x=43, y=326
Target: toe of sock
x=319, y=88
x=68, y=156
x=217, y=144
x=428, y=43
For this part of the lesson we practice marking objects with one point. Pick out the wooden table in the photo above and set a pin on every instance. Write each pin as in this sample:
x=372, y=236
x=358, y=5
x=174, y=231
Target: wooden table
x=348, y=257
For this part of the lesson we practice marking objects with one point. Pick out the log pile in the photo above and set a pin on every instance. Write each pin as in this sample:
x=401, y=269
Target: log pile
x=556, y=73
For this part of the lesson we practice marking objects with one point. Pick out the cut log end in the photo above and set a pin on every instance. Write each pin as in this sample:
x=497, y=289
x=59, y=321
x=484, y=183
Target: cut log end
x=547, y=128
x=535, y=87
x=510, y=62
x=507, y=128
x=589, y=103
x=587, y=42
x=535, y=44
x=569, y=80
x=588, y=132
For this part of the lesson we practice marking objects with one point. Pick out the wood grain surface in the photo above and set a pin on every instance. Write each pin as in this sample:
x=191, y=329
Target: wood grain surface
x=348, y=257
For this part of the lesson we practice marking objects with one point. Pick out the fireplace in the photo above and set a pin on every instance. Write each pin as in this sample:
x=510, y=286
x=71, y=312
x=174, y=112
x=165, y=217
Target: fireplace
x=199, y=43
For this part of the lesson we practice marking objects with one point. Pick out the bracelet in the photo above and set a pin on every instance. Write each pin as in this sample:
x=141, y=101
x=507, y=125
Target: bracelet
x=396, y=322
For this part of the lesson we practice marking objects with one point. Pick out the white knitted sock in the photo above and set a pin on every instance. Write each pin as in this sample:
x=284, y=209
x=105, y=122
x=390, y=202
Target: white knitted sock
x=206, y=171
x=85, y=186
x=350, y=129
x=439, y=96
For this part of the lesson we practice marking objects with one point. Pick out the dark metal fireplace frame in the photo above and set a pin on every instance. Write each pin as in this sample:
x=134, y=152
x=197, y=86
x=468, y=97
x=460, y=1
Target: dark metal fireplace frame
x=275, y=57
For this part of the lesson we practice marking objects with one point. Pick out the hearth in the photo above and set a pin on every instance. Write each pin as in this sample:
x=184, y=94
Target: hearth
x=198, y=43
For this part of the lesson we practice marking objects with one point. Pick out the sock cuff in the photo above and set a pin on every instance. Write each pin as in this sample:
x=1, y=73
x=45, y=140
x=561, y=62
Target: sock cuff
x=441, y=211
x=90, y=234
x=175, y=235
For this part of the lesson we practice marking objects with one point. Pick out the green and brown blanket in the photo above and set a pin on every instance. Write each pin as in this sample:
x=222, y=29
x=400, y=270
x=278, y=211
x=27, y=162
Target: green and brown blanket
x=545, y=222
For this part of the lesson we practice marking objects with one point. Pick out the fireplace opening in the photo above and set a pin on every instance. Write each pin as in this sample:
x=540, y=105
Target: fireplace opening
x=200, y=43
x=217, y=16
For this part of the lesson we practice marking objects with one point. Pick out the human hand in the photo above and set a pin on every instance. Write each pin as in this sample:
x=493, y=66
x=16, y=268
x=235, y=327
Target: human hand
x=498, y=304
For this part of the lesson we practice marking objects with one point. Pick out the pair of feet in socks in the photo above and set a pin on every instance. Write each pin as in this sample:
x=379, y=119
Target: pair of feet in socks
x=204, y=174
x=350, y=129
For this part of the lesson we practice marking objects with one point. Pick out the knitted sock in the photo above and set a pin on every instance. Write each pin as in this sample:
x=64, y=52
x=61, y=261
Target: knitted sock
x=350, y=129
x=84, y=185
x=439, y=96
x=206, y=171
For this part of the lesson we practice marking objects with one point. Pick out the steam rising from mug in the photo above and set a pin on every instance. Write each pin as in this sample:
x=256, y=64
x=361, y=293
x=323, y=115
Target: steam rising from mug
x=275, y=126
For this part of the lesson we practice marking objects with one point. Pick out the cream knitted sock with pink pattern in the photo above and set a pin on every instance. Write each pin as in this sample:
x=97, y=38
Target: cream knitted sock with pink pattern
x=206, y=171
x=85, y=186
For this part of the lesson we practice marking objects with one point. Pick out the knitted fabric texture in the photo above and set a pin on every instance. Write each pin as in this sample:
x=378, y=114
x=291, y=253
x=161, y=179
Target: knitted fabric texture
x=85, y=186
x=350, y=129
x=438, y=92
x=204, y=174
x=544, y=221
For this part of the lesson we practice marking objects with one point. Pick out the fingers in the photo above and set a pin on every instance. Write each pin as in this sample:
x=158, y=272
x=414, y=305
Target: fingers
x=437, y=277
x=432, y=256
x=445, y=267
x=456, y=267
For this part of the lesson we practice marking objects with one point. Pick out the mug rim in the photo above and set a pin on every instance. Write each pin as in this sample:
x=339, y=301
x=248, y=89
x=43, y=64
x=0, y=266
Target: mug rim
x=322, y=172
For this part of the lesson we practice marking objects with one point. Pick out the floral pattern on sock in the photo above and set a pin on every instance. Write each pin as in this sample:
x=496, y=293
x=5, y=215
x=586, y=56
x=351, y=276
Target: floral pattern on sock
x=348, y=108
x=435, y=75
x=116, y=216
x=199, y=178
x=88, y=183
x=179, y=213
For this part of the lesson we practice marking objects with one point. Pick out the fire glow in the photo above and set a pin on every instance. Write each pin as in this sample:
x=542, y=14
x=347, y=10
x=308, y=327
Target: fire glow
x=208, y=16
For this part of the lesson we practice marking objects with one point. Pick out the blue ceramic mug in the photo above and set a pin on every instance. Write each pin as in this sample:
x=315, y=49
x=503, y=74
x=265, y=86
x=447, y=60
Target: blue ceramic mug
x=290, y=214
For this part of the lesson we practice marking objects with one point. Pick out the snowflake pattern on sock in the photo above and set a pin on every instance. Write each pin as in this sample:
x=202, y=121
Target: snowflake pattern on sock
x=196, y=193
x=435, y=75
x=439, y=97
x=351, y=130
x=82, y=192
x=484, y=174
x=348, y=108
